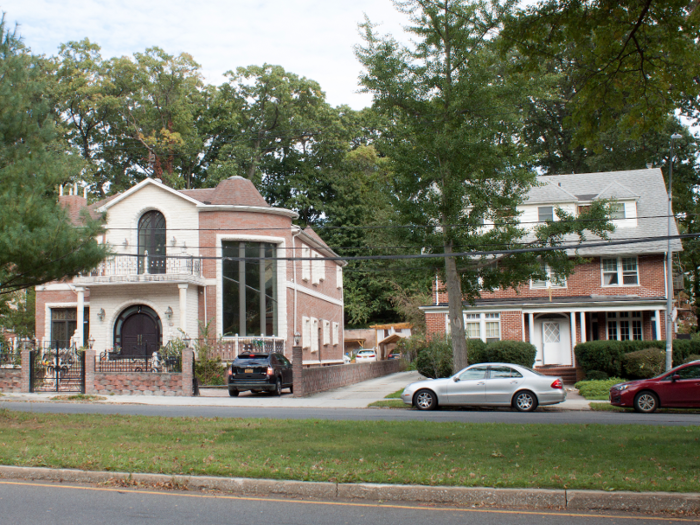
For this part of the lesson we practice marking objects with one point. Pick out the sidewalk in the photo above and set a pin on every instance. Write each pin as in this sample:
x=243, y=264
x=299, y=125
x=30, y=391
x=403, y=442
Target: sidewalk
x=359, y=395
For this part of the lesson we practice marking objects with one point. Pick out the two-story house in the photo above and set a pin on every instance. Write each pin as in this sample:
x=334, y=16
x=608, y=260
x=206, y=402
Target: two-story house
x=618, y=293
x=221, y=258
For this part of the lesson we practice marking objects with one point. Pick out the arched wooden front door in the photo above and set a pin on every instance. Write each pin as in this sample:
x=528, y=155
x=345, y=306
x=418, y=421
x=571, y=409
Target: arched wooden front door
x=138, y=332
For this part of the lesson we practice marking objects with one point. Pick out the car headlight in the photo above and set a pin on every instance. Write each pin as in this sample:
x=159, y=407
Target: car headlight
x=622, y=387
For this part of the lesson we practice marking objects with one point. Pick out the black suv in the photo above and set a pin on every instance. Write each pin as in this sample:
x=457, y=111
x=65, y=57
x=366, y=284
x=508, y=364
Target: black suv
x=260, y=372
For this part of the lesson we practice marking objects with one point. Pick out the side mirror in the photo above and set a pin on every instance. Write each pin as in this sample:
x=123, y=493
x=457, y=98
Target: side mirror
x=455, y=379
x=675, y=377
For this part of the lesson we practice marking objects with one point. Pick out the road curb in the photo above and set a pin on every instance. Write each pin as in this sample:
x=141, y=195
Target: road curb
x=544, y=499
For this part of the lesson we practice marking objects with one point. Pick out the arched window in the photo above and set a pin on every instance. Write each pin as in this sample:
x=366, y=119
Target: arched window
x=152, y=239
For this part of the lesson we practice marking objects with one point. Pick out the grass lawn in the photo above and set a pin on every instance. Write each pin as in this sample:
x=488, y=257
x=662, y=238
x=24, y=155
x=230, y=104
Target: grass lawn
x=391, y=401
x=606, y=407
x=603, y=457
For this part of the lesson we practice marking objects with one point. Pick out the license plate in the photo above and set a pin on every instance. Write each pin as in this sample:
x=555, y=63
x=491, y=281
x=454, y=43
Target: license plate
x=248, y=370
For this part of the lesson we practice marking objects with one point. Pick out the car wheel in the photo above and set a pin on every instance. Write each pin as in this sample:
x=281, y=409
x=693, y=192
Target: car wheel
x=233, y=392
x=425, y=400
x=646, y=402
x=278, y=387
x=525, y=401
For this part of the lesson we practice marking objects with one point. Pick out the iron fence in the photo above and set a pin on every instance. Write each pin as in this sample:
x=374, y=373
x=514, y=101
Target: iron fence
x=228, y=349
x=10, y=358
x=156, y=363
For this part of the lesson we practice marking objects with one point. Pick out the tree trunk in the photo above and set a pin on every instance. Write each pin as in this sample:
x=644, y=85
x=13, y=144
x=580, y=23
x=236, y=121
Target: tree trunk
x=454, y=298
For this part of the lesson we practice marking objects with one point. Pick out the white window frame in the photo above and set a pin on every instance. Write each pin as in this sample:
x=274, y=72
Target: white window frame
x=623, y=322
x=619, y=271
x=539, y=214
x=552, y=281
x=484, y=321
x=617, y=211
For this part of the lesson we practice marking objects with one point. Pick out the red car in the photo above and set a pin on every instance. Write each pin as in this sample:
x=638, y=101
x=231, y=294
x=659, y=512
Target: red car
x=677, y=388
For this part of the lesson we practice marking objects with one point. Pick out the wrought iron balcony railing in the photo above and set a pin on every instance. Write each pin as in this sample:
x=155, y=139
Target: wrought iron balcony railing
x=143, y=265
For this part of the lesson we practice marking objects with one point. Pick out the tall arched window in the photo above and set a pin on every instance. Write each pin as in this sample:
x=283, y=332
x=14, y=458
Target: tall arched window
x=152, y=239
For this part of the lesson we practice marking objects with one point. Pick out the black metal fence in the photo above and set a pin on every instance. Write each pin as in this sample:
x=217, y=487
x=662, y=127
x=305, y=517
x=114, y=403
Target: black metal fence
x=57, y=370
x=156, y=363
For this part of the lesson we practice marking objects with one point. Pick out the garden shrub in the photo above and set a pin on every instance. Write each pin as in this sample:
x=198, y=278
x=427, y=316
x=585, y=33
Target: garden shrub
x=435, y=359
x=476, y=351
x=594, y=375
x=598, y=389
x=608, y=356
x=644, y=364
x=693, y=357
x=516, y=352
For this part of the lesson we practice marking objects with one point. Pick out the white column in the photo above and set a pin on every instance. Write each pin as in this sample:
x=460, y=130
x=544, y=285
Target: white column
x=657, y=323
x=522, y=324
x=583, y=327
x=183, y=308
x=531, y=325
x=81, y=315
x=573, y=333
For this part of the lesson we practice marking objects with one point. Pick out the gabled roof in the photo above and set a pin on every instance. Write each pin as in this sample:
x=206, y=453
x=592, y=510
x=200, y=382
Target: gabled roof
x=550, y=193
x=652, y=201
x=108, y=203
x=615, y=190
x=309, y=236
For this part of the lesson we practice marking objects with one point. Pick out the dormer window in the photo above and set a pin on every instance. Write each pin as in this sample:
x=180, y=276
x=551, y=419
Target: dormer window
x=545, y=213
x=617, y=210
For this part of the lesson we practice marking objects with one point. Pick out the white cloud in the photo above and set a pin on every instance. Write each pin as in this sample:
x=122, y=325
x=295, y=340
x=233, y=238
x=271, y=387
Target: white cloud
x=311, y=38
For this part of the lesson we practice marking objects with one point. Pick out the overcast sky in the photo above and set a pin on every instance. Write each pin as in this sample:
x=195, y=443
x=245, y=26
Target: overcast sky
x=312, y=38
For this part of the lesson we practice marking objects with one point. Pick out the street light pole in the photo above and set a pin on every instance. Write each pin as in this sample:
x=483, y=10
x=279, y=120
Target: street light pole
x=669, y=263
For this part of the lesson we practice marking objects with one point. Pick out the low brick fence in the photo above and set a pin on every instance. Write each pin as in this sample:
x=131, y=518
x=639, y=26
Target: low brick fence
x=10, y=380
x=309, y=381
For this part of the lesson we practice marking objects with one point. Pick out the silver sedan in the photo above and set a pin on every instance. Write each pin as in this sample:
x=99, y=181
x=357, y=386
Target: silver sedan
x=487, y=384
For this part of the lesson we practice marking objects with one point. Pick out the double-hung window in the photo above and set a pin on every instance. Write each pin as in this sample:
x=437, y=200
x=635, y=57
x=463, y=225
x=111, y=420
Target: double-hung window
x=545, y=213
x=485, y=326
x=553, y=279
x=620, y=271
x=617, y=210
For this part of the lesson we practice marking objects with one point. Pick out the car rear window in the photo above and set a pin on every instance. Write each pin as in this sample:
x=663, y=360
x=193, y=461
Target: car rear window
x=248, y=359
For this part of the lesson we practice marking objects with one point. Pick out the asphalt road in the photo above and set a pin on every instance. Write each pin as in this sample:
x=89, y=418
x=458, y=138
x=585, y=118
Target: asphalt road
x=369, y=414
x=30, y=503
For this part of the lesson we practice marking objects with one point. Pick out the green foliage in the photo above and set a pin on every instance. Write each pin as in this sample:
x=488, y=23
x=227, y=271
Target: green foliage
x=17, y=313
x=435, y=359
x=516, y=352
x=643, y=364
x=690, y=358
x=593, y=375
x=597, y=389
x=38, y=243
x=208, y=370
x=608, y=356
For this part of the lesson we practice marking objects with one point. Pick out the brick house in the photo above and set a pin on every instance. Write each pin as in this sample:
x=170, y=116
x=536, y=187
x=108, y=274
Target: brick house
x=619, y=293
x=219, y=257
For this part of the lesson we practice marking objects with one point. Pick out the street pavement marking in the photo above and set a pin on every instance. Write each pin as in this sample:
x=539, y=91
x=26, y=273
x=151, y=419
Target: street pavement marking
x=348, y=504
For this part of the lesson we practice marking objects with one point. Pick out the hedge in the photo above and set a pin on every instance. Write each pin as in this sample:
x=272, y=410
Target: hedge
x=608, y=356
x=516, y=352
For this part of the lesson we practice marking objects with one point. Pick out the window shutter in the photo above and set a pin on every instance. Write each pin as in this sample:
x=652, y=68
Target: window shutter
x=321, y=268
x=339, y=276
x=315, y=271
x=306, y=263
x=326, y=332
x=336, y=327
x=305, y=332
x=314, y=335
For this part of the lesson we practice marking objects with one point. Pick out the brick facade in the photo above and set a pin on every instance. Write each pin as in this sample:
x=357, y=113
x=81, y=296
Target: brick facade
x=197, y=223
x=10, y=380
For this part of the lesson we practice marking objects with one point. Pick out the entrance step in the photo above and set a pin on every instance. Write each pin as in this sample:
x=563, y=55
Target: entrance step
x=568, y=374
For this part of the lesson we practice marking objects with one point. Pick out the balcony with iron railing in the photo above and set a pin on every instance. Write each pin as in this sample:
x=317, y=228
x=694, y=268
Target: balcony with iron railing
x=143, y=268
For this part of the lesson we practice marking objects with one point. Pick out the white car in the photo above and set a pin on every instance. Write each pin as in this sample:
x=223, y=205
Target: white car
x=487, y=384
x=366, y=356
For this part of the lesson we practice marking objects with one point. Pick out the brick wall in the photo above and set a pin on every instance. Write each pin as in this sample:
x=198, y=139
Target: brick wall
x=10, y=380
x=137, y=383
x=587, y=280
x=331, y=377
